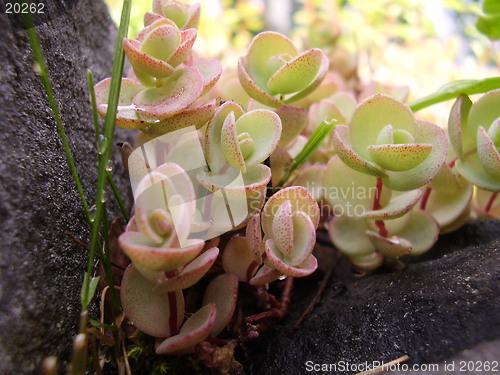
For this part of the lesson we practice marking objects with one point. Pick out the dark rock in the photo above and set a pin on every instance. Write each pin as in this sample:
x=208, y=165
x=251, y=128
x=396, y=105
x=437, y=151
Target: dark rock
x=429, y=311
x=41, y=267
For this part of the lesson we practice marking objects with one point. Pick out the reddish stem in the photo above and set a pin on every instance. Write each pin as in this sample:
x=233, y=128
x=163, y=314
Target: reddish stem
x=493, y=196
x=251, y=269
x=172, y=320
x=376, y=205
x=425, y=198
x=451, y=164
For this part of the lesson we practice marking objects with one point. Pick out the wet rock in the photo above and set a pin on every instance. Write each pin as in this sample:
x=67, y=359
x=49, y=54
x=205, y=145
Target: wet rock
x=445, y=302
x=41, y=267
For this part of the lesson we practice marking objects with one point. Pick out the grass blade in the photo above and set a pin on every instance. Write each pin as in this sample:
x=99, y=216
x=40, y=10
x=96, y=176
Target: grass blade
x=312, y=144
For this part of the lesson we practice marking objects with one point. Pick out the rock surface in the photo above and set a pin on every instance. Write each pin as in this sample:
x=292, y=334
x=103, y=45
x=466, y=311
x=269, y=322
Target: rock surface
x=41, y=267
x=441, y=304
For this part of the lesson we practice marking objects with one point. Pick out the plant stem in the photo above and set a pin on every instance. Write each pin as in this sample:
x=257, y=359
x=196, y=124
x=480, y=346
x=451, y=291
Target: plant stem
x=489, y=205
x=93, y=102
x=425, y=197
x=118, y=197
x=454, y=90
x=105, y=149
x=376, y=206
x=97, y=133
x=45, y=77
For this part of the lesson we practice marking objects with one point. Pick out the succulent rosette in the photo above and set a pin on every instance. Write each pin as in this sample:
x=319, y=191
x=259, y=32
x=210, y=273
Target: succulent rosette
x=238, y=142
x=157, y=238
x=288, y=221
x=413, y=233
x=274, y=73
x=161, y=93
x=184, y=15
x=162, y=314
x=384, y=140
x=372, y=221
x=474, y=131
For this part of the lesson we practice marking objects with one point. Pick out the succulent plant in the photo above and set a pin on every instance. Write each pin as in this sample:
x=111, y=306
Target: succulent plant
x=236, y=143
x=373, y=221
x=274, y=73
x=384, y=140
x=184, y=15
x=160, y=313
x=474, y=131
x=289, y=220
x=162, y=91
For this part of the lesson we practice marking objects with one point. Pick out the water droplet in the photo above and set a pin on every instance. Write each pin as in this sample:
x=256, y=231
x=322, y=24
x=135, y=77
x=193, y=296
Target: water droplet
x=37, y=68
x=92, y=211
x=282, y=277
x=104, y=196
x=110, y=165
x=103, y=144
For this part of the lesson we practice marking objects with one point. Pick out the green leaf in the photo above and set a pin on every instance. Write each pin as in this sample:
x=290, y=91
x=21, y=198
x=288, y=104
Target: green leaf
x=489, y=25
x=312, y=144
x=491, y=6
x=87, y=297
x=455, y=89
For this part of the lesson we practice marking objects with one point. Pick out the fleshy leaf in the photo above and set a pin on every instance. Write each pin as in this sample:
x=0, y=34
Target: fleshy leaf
x=457, y=126
x=126, y=115
x=304, y=239
x=230, y=144
x=251, y=87
x=484, y=112
x=161, y=42
x=421, y=231
x=253, y=236
x=275, y=260
x=261, y=49
x=283, y=228
x=342, y=143
x=213, y=135
x=300, y=200
x=474, y=172
x=183, y=51
x=293, y=120
x=447, y=206
x=255, y=178
x=210, y=70
x=141, y=251
x=391, y=247
x=426, y=132
x=397, y=207
x=488, y=153
x=297, y=73
x=223, y=292
x=348, y=234
x=312, y=178
x=372, y=115
x=350, y=192
x=147, y=309
x=197, y=116
x=143, y=62
x=182, y=89
x=194, y=330
x=399, y=157
x=368, y=262
x=238, y=259
x=190, y=274
x=265, y=275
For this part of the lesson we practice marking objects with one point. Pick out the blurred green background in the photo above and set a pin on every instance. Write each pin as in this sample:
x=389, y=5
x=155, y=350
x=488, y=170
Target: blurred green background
x=420, y=43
